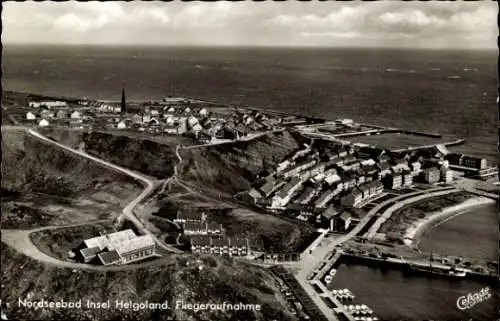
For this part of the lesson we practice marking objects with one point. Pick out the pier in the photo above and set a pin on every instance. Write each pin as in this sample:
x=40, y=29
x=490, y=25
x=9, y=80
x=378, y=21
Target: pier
x=415, y=266
x=410, y=148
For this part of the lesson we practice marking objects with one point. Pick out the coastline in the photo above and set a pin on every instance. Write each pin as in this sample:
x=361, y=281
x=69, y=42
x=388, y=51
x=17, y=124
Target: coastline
x=414, y=233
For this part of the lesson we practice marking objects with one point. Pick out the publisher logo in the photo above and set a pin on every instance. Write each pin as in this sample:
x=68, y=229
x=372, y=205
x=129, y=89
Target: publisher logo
x=468, y=301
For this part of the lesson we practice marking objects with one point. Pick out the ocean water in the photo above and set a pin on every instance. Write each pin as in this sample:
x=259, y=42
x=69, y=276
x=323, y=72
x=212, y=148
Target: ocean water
x=394, y=295
x=451, y=92
x=472, y=234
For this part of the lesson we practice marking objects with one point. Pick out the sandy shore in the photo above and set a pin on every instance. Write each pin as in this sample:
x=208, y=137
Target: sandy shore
x=414, y=233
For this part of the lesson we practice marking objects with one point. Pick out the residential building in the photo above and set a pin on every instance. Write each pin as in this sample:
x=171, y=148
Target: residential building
x=192, y=217
x=220, y=246
x=30, y=116
x=271, y=186
x=201, y=244
x=286, y=193
x=318, y=169
x=253, y=196
x=121, y=125
x=474, y=162
x=432, y=175
x=295, y=170
x=384, y=169
x=214, y=228
x=454, y=158
x=43, y=123
x=393, y=181
x=446, y=175
x=352, y=199
x=327, y=218
x=203, y=112
x=342, y=222
x=332, y=178
x=407, y=178
x=306, y=196
x=416, y=168
x=195, y=228
x=365, y=191
x=46, y=114
x=376, y=187
x=327, y=196
x=75, y=115
x=61, y=114
x=367, y=152
x=48, y=104
x=240, y=246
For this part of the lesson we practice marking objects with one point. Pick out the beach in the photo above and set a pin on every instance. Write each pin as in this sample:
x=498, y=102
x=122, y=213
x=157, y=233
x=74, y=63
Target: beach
x=415, y=232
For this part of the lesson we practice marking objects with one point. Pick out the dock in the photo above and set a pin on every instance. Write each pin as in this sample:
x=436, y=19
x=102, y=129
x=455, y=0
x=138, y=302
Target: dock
x=411, y=148
x=415, y=266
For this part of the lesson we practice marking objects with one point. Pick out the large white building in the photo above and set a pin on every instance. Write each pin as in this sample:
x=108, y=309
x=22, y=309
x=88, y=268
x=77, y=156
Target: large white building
x=48, y=104
x=118, y=248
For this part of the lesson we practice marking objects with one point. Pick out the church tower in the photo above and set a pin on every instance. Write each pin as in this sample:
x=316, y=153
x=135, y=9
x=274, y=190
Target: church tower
x=123, y=105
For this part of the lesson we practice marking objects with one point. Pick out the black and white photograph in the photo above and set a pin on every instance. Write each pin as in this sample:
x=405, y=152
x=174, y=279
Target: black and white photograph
x=250, y=160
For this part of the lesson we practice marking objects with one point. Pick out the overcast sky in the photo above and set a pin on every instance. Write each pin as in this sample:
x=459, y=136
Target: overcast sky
x=389, y=23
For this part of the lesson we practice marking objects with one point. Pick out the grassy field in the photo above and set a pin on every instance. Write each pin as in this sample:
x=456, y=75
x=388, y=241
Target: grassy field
x=50, y=186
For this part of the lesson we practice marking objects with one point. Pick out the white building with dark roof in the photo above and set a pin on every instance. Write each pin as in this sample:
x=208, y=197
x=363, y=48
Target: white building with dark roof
x=285, y=194
x=195, y=217
x=118, y=248
x=30, y=116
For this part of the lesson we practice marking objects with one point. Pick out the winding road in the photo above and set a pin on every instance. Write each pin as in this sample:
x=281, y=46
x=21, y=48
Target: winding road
x=20, y=239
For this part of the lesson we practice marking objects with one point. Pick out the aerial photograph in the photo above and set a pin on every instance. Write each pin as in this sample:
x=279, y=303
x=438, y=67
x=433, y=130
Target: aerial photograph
x=234, y=161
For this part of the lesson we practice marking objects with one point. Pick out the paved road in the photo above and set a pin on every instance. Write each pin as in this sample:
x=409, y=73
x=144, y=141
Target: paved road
x=400, y=204
x=241, y=139
x=128, y=210
x=309, y=262
x=20, y=239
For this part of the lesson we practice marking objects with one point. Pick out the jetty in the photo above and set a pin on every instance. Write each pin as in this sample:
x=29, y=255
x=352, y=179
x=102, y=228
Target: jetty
x=412, y=148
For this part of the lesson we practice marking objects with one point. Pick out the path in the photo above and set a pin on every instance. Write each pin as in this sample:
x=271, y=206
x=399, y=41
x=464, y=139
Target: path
x=309, y=262
x=400, y=204
x=20, y=239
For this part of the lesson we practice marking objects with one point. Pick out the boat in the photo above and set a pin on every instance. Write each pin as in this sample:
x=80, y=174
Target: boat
x=333, y=272
x=457, y=272
x=328, y=279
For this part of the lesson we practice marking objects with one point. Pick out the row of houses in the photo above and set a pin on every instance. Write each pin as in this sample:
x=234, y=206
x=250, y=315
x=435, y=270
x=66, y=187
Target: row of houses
x=458, y=159
x=208, y=237
x=47, y=104
x=117, y=248
x=47, y=114
x=362, y=193
x=202, y=228
x=202, y=244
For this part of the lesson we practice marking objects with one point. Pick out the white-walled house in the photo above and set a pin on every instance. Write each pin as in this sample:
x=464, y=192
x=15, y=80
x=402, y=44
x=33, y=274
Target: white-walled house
x=43, y=123
x=30, y=116
x=75, y=115
x=121, y=125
